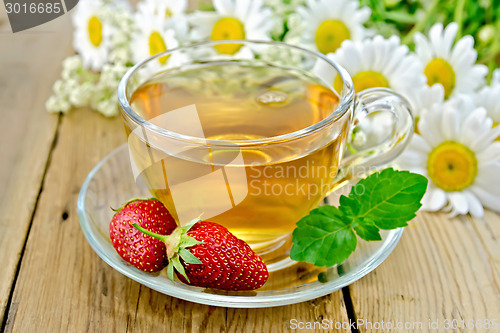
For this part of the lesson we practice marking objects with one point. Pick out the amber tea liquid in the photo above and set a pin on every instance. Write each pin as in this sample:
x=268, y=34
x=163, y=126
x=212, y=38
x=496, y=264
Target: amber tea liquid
x=283, y=181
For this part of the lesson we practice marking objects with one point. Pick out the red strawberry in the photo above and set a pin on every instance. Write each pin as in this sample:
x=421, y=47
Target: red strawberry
x=215, y=259
x=142, y=251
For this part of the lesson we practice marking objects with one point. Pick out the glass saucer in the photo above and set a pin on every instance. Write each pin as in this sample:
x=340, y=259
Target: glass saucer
x=110, y=184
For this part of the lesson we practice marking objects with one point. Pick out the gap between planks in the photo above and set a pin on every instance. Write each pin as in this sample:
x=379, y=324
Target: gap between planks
x=32, y=217
x=351, y=315
x=346, y=294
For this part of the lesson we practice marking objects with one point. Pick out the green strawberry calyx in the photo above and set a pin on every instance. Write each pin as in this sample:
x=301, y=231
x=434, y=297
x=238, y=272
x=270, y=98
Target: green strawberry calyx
x=177, y=244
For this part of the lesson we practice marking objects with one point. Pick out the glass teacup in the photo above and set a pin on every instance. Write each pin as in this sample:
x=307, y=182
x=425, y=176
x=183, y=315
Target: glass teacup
x=254, y=140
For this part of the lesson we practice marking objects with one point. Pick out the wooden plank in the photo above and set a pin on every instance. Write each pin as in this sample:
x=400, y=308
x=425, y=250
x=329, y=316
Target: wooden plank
x=30, y=62
x=157, y=312
x=326, y=310
x=443, y=269
x=62, y=285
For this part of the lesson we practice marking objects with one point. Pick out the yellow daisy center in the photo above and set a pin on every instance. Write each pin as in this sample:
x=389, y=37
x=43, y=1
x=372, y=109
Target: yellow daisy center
x=363, y=80
x=440, y=71
x=168, y=13
x=452, y=166
x=228, y=28
x=330, y=34
x=95, y=31
x=157, y=45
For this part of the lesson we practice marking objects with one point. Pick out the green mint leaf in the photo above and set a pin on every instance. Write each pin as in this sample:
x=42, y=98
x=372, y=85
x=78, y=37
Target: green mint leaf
x=367, y=230
x=323, y=238
x=383, y=200
x=325, y=210
x=349, y=207
x=389, y=198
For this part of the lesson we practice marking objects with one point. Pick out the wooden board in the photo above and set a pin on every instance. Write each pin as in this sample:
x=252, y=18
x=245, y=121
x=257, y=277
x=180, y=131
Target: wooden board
x=30, y=63
x=443, y=269
x=60, y=276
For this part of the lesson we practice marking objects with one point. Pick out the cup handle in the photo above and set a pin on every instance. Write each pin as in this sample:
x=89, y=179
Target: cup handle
x=361, y=158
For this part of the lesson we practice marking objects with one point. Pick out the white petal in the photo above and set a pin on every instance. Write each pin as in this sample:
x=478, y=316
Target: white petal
x=244, y=53
x=325, y=71
x=411, y=159
x=351, y=56
x=490, y=154
x=204, y=20
x=464, y=49
x=434, y=199
x=368, y=53
x=430, y=125
x=458, y=203
x=419, y=144
x=487, y=199
x=435, y=37
x=472, y=127
x=475, y=207
x=423, y=48
x=450, y=124
x=487, y=137
x=224, y=7
x=449, y=37
x=488, y=178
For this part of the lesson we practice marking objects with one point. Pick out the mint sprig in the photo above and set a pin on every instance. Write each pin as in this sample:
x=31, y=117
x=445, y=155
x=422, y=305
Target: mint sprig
x=384, y=200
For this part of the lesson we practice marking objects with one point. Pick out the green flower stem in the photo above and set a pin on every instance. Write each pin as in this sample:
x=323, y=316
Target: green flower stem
x=492, y=54
x=459, y=16
x=420, y=25
x=490, y=59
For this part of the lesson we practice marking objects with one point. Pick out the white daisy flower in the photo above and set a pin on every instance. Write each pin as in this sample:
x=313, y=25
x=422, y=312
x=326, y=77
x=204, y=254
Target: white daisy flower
x=233, y=19
x=377, y=62
x=456, y=151
x=92, y=34
x=151, y=37
x=322, y=25
x=453, y=66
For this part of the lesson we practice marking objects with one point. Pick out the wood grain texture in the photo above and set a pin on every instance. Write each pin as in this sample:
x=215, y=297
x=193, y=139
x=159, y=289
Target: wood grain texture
x=284, y=318
x=443, y=269
x=30, y=62
x=62, y=285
